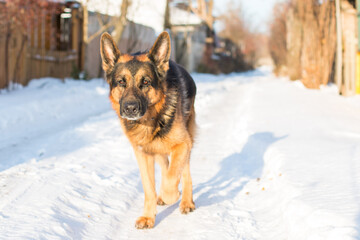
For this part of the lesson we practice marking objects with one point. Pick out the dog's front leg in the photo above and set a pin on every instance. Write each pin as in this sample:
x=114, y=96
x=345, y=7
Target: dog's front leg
x=147, y=171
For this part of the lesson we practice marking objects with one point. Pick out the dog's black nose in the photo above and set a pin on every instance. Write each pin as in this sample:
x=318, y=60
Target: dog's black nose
x=131, y=108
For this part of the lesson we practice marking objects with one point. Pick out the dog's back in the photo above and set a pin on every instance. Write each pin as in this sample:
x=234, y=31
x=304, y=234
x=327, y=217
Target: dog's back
x=178, y=78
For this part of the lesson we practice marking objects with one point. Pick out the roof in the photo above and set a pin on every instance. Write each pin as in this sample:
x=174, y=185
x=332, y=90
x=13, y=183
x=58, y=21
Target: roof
x=182, y=17
x=146, y=12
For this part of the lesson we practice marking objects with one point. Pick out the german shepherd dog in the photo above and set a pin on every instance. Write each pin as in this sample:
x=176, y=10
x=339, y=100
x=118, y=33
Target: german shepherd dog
x=154, y=100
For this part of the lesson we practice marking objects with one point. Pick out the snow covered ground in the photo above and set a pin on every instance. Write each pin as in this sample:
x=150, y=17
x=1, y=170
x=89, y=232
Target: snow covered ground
x=272, y=160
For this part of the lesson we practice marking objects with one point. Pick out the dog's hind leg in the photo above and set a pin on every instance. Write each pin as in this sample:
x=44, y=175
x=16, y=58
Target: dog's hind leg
x=187, y=204
x=179, y=157
x=191, y=124
x=147, y=171
x=163, y=161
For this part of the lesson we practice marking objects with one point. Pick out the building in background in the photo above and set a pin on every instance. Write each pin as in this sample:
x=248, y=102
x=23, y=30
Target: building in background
x=135, y=37
x=57, y=42
x=145, y=20
x=188, y=34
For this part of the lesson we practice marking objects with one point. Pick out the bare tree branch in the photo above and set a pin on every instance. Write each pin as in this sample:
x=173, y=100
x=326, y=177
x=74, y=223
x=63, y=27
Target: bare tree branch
x=121, y=22
x=117, y=22
x=204, y=11
x=102, y=29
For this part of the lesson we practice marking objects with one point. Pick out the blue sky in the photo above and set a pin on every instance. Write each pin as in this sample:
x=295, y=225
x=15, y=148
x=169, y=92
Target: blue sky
x=258, y=12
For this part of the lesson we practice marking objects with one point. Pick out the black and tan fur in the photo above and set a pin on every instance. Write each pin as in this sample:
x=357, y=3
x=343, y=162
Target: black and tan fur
x=154, y=99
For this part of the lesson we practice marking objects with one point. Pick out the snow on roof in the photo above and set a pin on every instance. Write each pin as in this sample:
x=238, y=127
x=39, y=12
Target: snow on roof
x=146, y=12
x=149, y=13
x=182, y=17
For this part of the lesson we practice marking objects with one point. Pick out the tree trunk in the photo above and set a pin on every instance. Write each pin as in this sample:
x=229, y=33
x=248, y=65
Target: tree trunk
x=167, y=24
x=121, y=23
x=294, y=40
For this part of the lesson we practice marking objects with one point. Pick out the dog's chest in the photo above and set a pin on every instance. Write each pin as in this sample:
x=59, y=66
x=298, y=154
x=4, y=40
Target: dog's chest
x=143, y=136
x=146, y=141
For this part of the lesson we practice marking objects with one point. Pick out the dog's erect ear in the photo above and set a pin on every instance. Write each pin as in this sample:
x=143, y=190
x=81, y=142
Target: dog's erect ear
x=160, y=52
x=109, y=51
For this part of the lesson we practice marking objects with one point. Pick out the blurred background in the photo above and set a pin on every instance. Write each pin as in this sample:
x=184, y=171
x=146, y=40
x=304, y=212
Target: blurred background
x=311, y=40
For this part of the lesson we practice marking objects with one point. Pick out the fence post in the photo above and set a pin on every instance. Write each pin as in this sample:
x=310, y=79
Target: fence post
x=339, y=61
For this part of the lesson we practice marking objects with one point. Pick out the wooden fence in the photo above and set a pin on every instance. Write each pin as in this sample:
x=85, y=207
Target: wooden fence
x=14, y=47
x=58, y=64
x=36, y=63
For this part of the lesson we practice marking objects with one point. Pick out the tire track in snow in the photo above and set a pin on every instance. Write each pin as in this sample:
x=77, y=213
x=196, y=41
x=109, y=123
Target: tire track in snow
x=220, y=184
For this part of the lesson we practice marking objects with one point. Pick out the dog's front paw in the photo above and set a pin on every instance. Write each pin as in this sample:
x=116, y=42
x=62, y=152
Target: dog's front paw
x=187, y=206
x=170, y=197
x=145, y=222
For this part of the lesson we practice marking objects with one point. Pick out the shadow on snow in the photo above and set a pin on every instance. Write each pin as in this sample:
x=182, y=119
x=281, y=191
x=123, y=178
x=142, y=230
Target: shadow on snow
x=236, y=170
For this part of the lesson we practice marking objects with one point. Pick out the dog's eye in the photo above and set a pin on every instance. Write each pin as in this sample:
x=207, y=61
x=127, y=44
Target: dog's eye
x=145, y=81
x=121, y=81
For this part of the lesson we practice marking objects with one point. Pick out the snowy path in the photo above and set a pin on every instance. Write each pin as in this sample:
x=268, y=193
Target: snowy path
x=272, y=160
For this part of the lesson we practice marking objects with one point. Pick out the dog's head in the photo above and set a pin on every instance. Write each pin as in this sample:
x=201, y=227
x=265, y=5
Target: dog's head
x=136, y=81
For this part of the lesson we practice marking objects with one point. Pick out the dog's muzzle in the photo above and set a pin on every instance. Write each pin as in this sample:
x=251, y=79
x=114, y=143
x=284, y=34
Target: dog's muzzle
x=131, y=110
